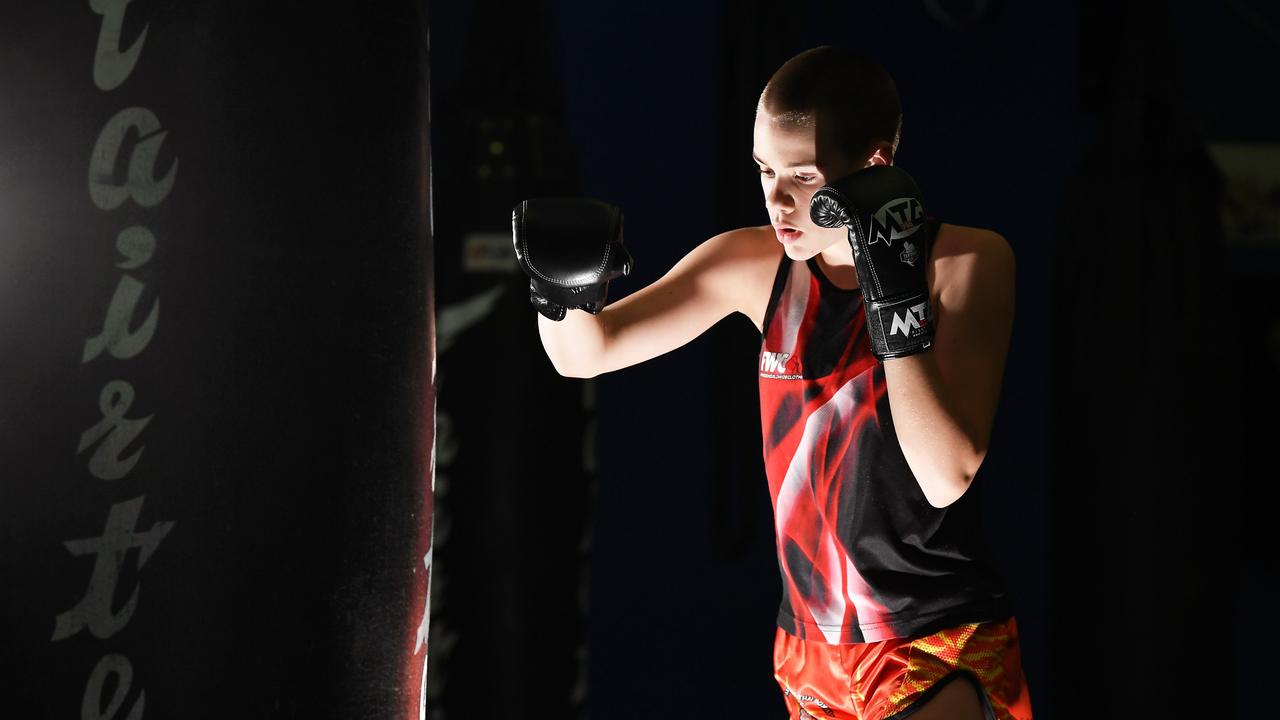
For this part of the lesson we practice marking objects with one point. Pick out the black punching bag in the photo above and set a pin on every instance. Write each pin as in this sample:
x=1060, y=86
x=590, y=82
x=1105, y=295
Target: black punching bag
x=216, y=389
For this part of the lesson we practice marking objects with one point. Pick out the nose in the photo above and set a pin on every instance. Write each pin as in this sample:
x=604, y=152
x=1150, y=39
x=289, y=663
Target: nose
x=779, y=200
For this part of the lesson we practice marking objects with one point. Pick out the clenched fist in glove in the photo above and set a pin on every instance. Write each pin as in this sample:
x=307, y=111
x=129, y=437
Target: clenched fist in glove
x=882, y=208
x=570, y=248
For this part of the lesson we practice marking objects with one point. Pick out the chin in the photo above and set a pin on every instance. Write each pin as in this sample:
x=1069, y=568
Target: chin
x=798, y=252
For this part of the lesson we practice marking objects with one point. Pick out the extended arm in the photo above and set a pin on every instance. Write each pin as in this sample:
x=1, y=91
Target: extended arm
x=710, y=282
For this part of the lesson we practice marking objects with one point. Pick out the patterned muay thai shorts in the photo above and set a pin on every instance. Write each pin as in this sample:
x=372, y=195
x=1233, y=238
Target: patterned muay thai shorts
x=885, y=679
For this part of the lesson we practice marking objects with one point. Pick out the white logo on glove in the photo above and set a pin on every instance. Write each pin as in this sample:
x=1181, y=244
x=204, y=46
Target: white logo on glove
x=909, y=323
x=898, y=218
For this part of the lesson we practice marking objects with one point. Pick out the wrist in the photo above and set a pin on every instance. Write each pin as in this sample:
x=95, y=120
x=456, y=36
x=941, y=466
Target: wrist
x=899, y=326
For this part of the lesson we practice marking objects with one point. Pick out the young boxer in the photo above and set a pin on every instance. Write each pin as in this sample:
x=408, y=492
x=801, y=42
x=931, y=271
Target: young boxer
x=884, y=333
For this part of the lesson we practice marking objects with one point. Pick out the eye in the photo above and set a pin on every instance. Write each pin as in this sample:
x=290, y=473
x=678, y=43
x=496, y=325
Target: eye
x=765, y=172
x=805, y=178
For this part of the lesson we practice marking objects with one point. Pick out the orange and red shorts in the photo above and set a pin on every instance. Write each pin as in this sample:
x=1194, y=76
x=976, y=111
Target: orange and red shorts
x=883, y=680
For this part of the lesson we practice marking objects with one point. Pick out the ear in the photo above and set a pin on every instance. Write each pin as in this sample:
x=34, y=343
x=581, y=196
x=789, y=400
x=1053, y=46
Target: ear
x=879, y=153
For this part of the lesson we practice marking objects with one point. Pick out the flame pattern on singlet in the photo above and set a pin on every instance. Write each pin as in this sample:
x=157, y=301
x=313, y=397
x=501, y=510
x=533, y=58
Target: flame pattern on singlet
x=862, y=553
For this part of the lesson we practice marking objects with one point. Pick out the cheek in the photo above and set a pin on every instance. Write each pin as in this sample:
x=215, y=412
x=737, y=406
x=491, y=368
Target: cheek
x=823, y=238
x=802, y=207
x=837, y=235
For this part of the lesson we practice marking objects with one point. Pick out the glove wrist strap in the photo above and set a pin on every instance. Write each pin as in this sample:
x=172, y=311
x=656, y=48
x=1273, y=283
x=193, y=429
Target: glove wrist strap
x=899, y=326
x=552, y=310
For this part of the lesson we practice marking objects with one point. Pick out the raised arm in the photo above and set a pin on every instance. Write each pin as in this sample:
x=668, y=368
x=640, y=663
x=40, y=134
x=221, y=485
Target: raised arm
x=944, y=401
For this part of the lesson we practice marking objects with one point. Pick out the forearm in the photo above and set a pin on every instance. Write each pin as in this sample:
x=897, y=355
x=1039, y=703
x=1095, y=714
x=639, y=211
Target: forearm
x=574, y=344
x=942, y=447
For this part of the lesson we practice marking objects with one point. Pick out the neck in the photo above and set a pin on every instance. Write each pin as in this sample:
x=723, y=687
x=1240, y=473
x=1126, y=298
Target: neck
x=837, y=255
x=837, y=264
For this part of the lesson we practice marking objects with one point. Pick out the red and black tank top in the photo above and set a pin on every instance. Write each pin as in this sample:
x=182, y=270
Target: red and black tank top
x=863, y=554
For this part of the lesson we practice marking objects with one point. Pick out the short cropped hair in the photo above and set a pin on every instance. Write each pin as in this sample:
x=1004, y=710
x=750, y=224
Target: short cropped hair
x=849, y=99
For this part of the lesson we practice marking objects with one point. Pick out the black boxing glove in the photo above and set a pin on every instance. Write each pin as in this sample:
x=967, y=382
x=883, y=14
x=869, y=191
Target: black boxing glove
x=570, y=248
x=884, y=212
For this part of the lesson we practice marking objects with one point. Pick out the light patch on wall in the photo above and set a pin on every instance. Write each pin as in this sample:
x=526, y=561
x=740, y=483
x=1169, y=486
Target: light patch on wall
x=1251, y=196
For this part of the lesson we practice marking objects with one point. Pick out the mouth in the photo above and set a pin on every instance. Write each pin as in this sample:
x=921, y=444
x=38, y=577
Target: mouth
x=787, y=235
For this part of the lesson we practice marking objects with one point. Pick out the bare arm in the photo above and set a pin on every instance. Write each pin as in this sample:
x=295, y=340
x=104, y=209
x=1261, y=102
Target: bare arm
x=944, y=401
x=720, y=276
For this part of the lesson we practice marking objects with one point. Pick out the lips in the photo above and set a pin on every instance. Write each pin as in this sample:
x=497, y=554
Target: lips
x=787, y=234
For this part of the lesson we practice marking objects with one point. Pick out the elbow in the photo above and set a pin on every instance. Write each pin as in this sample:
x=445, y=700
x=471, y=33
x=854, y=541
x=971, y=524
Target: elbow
x=945, y=488
x=942, y=492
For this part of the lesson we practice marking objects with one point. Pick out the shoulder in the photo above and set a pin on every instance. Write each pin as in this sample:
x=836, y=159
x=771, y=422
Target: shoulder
x=755, y=242
x=968, y=259
x=746, y=263
x=742, y=253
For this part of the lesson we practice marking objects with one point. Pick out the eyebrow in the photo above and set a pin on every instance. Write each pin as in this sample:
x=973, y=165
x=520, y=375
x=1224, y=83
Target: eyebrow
x=807, y=163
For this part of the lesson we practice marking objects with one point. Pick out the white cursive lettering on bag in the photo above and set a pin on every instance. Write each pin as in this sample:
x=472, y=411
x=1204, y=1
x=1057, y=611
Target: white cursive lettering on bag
x=122, y=166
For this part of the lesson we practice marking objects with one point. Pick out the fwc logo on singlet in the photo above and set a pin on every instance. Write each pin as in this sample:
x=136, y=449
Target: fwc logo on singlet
x=912, y=322
x=774, y=365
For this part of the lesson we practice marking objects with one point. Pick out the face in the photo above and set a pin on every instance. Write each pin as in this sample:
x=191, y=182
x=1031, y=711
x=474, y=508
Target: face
x=791, y=171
